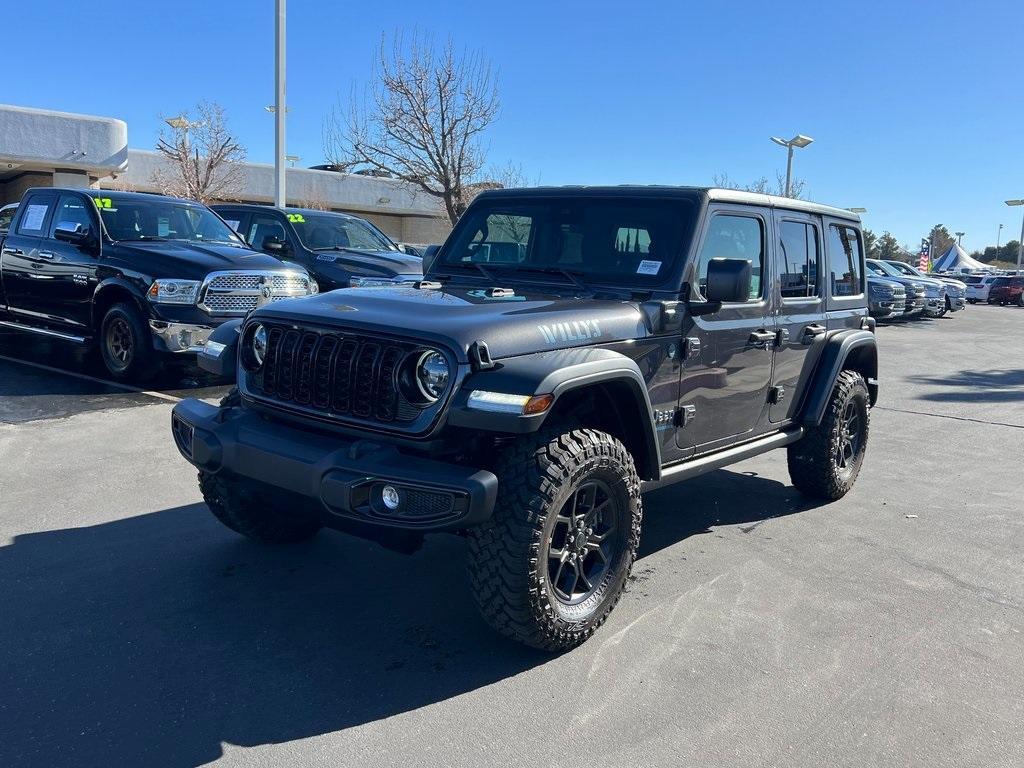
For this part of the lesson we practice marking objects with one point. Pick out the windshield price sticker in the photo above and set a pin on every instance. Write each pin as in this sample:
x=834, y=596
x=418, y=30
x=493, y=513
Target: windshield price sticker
x=296, y=218
x=648, y=267
x=103, y=202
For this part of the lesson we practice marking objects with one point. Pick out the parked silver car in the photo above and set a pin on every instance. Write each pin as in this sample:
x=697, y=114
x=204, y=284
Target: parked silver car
x=956, y=290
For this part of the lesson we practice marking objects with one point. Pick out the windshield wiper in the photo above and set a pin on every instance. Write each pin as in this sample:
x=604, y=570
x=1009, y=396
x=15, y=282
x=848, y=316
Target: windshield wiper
x=572, y=275
x=149, y=238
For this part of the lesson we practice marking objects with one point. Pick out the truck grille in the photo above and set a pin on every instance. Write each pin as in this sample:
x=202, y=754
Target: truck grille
x=343, y=375
x=235, y=293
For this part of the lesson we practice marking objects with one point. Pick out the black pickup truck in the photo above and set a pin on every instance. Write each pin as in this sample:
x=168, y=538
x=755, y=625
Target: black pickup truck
x=135, y=274
x=339, y=250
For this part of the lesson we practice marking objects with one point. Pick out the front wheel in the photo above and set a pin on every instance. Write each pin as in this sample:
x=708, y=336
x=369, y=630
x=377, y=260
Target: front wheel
x=243, y=509
x=125, y=343
x=825, y=462
x=552, y=562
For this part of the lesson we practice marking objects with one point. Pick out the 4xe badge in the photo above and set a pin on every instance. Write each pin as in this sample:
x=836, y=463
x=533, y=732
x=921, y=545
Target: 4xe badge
x=576, y=330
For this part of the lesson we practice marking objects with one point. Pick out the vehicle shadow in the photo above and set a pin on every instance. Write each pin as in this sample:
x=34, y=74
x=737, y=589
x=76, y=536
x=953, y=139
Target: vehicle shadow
x=993, y=386
x=152, y=640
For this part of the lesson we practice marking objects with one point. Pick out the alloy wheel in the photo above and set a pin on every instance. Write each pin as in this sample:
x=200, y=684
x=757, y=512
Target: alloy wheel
x=120, y=343
x=850, y=438
x=583, y=543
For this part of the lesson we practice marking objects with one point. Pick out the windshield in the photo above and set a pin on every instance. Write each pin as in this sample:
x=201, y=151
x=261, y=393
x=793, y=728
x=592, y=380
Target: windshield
x=906, y=269
x=881, y=268
x=140, y=219
x=6, y=216
x=327, y=232
x=604, y=240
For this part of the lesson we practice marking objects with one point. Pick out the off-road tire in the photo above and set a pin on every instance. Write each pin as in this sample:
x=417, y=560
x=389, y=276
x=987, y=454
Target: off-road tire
x=137, y=343
x=242, y=509
x=508, y=556
x=814, y=466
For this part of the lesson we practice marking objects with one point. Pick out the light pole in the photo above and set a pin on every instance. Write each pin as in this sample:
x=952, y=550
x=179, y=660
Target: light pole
x=293, y=159
x=959, y=237
x=999, y=239
x=1020, y=243
x=797, y=142
x=279, y=105
x=183, y=124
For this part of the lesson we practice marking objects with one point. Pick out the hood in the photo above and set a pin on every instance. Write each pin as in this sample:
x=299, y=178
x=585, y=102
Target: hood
x=456, y=316
x=880, y=279
x=192, y=260
x=359, y=262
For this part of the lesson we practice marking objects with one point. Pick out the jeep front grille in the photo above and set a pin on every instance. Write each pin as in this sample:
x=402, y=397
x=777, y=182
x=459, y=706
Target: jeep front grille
x=342, y=375
x=238, y=292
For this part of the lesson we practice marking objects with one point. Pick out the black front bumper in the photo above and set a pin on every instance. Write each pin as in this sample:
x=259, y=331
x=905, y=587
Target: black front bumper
x=344, y=479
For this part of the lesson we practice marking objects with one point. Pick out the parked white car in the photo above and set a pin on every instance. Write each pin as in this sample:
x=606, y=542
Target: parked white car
x=978, y=287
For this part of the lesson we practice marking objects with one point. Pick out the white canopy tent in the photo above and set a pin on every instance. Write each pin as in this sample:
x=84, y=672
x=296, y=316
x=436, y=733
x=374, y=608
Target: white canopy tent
x=957, y=260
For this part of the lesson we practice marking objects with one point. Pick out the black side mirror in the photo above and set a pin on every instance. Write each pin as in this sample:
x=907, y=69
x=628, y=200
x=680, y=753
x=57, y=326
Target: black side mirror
x=273, y=245
x=72, y=232
x=728, y=281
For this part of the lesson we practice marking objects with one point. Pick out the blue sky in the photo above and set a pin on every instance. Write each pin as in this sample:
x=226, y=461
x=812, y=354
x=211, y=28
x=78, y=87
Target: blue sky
x=917, y=108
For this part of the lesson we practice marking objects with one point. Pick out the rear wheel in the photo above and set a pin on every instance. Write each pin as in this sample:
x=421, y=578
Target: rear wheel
x=552, y=562
x=825, y=462
x=126, y=344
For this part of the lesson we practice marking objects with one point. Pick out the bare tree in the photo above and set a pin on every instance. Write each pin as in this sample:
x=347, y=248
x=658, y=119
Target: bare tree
x=203, y=157
x=421, y=122
x=763, y=185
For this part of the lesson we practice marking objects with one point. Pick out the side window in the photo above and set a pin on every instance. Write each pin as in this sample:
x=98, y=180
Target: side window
x=798, y=272
x=72, y=210
x=734, y=237
x=37, y=212
x=844, y=261
x=263, y=227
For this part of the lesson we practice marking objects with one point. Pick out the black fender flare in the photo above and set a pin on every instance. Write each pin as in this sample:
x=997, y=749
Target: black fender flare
x=222, y=361
x=121, y=286
x=855, y=349
x=558, y=373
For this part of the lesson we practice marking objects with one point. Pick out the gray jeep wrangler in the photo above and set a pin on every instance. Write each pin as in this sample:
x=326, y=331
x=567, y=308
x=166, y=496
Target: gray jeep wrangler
x=568, y=349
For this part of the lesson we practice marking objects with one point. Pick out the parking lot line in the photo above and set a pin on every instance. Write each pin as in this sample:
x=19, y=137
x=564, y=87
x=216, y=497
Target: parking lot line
x=104, y=382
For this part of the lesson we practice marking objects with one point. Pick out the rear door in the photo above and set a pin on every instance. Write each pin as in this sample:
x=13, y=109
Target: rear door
x=728, y=366
x=24, y=270
x=801, y=308
x=846, y=301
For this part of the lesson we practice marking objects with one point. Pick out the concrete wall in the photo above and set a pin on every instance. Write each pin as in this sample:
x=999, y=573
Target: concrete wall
x=43, y=139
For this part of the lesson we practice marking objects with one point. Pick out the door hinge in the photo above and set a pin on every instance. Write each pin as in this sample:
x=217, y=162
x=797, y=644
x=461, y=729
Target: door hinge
x=776, y=395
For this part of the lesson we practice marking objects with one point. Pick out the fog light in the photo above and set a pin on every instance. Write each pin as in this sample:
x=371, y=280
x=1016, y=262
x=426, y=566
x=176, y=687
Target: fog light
x=390, y=496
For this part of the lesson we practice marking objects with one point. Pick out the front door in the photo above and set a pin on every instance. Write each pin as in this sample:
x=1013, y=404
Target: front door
x=801, y=316
x=728, y=354
x=66, y=294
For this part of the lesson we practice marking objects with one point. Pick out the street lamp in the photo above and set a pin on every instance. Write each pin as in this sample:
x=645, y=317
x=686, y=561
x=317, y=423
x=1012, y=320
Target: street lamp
x=293, y=159
x=183, y=124
x=797, y=142
x=959, y=237
x=1020, y=244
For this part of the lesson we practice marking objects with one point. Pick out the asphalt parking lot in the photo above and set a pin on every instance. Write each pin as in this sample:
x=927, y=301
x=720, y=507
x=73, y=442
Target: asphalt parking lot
x=759, y=629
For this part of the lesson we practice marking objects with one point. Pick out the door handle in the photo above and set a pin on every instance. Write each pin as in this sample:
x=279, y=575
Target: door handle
x=48, y=255
x=14, y=252
x=813, y=331
x=761, y=338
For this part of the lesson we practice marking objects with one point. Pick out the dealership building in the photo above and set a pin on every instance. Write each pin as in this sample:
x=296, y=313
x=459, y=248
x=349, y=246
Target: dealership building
x=42, y=148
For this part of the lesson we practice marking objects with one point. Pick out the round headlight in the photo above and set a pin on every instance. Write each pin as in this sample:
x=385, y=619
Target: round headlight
x=432, y=374
x=259, y=344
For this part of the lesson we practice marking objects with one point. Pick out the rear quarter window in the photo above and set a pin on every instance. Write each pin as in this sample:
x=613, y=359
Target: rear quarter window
x=845, y=260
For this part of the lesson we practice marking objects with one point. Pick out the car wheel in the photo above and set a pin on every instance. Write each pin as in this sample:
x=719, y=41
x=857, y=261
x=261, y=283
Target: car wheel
x=825, y=462
x=1020, y=300
x=552, y=562
x=125, y=343
x=244, y=509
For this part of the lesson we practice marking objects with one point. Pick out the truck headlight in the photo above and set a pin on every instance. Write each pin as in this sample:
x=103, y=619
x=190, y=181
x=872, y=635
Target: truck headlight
x=432, y=374
x=174, y=291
